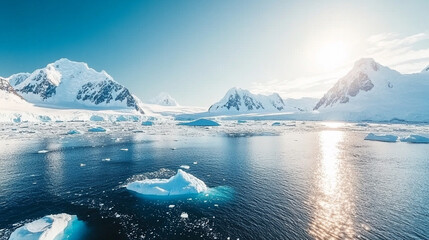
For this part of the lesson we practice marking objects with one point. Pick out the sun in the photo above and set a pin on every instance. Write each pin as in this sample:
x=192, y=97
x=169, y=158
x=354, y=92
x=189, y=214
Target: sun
x=332, y=55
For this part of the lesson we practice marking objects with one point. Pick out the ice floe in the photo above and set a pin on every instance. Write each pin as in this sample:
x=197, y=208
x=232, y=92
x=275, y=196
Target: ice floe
x=72, y=132
x=97, y=129
x=184, y=215
x=180, y=184
x=415, y=139
x=50, y=227
x=43, y=151
x=381, y=138
x=184, y=166
x=147, y=123
x=200, y=122
x=96, y=118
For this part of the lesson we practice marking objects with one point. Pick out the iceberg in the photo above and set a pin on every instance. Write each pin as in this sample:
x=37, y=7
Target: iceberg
x=381, y=138
x=96, y=118
x=200, y=122
x=96, y=129
x=72, y=132
x=147, y=123
x=415, y=139
x=180, y=184
x=58, y=226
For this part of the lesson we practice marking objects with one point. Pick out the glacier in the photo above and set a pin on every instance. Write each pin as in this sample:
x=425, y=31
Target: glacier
x=180, y=184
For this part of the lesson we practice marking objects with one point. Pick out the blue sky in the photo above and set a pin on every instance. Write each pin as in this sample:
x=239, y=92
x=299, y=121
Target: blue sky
x=197, y=50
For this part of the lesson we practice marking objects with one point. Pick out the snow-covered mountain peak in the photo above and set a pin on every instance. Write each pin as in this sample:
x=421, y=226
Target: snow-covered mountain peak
x=373, y=91
x=365, y=74
x=164, y=99
x=238, y=100
x=366, y=65
x=65, y=83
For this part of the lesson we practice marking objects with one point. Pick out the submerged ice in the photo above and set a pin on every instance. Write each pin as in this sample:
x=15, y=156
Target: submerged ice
x=180, y=184
x=58, y=226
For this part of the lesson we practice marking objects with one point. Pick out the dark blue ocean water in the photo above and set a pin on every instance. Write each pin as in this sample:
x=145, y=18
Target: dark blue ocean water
x=308, y=185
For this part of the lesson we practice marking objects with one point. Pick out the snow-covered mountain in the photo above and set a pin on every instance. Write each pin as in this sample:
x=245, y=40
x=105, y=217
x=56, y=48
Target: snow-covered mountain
x=371, y=91
x=164, y=99
x=7, y=91
x=68, y=84
x=239, y=100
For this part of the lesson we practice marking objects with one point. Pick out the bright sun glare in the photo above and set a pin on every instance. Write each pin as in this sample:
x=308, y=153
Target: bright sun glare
x=332, y=55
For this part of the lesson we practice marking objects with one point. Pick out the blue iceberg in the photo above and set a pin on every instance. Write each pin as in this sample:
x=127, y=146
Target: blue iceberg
x=200, y=122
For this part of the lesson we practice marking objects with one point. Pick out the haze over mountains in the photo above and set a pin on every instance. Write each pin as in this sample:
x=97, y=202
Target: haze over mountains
x=369, y=91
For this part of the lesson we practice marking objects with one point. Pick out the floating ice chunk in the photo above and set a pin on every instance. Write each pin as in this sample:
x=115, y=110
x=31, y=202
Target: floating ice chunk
x=82, y=164
x=361, y=124
x=96, y=129
x=43, y=151
x=241, y=121
x=72, y=132
x=381, y=138
x=276, y=124
x=105, y=159
x=200, y=122
x=48, y=228
x=184, y=215
x=184, y=166
x=147, y=123
x=171, y=206
x=96, y=118
x=173, y=148
x=195, y=163
x=180, y=184
x=415, y=139
x=124, y=149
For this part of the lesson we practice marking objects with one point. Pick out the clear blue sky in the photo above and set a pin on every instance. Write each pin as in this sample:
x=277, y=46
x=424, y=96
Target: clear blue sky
x=197, y=50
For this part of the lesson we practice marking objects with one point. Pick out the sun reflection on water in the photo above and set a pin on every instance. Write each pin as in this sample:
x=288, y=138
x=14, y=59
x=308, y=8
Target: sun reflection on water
x=333, y=216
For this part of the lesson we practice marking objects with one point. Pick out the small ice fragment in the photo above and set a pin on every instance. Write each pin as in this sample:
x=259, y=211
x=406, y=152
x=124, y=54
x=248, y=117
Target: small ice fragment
x=171, y=206
x=124, y=149
x=97, y=129
x=200, y=122
x=184, y=166
x=216, y=205
x=117, y=215
x=276, y=124
x=82, y=164
x=105, y=159
x=42, y=151
x=195, y=163
x=184, y=215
